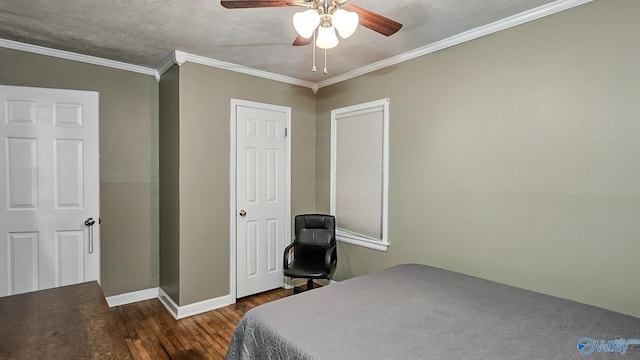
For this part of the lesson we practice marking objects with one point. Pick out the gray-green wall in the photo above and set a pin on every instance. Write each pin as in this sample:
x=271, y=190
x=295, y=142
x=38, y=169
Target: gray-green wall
x=169, y=183
x=205, y=94
x=514, y=157
x=128, y=159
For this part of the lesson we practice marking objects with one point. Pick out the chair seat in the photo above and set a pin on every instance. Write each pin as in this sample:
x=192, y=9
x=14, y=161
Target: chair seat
x=299, y=269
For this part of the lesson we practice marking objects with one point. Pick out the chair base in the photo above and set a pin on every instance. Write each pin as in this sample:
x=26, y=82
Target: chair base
x=298, y=289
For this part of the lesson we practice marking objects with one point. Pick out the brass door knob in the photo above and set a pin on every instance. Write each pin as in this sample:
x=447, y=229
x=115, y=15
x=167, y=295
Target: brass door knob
x=243, y=213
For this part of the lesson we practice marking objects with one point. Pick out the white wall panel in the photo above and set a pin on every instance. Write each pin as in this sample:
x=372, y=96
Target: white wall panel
x=67, y=115
x=68, y=167
x=20, y=112
x=252, y=128
x=252, y=248
x=272, y=245
x=70, y=260
x=22, y=262
x=22, y=173
x=252, y=176
x=272, y=130
x=272, y=175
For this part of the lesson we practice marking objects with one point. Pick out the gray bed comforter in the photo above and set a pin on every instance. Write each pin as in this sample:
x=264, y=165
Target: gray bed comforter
x=421, y=312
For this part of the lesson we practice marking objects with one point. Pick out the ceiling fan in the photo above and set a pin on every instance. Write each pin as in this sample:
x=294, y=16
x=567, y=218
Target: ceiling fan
x=328, y=13
x=322, y=19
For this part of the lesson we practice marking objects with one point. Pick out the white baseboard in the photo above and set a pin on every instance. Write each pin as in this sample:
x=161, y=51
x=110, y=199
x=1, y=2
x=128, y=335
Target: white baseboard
x=168, y=303
x=132, y=297
x=179, y=312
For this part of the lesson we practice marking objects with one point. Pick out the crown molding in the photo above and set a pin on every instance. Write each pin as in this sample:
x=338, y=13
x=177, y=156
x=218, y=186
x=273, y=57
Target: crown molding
x=166, y=64
x=14, y=45
x=180, y=57
x=243, y=69
x=506, y=23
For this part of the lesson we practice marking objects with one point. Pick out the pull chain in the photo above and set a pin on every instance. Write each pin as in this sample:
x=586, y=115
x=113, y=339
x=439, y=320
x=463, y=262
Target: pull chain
x=325, y=62
x=313, y=45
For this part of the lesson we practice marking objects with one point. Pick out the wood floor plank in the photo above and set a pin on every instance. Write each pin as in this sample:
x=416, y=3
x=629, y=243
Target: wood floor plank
x=152, y=333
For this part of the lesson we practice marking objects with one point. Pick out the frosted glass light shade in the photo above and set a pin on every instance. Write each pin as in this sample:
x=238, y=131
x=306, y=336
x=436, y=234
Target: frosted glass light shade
x=327, y=38
x=346, y=22
x=306, y=22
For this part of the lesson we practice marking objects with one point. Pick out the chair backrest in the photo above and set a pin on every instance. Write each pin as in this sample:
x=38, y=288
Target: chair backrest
x=315, y=229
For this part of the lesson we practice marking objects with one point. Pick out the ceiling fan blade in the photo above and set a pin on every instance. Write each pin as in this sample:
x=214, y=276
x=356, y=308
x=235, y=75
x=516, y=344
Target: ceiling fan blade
x=375, y=22
x=300, y=41
x=245, y=4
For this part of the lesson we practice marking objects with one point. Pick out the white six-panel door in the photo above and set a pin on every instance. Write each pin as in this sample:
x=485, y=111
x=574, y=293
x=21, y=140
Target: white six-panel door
x=261, y=196
x=49, y=180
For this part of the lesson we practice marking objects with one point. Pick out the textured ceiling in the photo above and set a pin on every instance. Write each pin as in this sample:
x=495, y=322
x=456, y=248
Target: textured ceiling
x=145, y=32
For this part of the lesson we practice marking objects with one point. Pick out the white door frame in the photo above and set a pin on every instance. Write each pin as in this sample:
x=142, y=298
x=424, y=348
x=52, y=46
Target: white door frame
x=232, y=182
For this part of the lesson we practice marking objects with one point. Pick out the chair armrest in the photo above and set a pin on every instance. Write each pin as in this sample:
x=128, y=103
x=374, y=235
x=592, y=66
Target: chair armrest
x=329, y=257
x=287, y=255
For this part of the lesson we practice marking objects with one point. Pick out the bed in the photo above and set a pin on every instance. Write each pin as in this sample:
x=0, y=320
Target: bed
x=419, y=312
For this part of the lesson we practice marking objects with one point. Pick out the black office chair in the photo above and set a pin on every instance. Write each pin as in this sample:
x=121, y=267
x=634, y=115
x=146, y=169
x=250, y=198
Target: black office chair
x=314, y=249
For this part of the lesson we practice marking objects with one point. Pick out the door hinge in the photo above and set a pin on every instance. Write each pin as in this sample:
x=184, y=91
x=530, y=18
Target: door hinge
x=286, y=132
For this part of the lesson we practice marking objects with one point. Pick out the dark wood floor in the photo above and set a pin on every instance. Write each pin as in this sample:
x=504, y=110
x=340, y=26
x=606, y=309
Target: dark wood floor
x=153, y=334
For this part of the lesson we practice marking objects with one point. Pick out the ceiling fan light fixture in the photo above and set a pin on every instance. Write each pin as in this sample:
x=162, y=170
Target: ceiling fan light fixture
x=346, y=22
x=327, y=38
x=324, y=20
x=306, y=22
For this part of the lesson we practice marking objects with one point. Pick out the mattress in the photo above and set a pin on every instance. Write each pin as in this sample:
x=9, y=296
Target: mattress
x=419, y=312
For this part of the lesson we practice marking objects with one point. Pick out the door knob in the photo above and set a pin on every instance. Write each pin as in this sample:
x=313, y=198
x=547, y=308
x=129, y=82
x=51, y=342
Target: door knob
x=243, y=213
